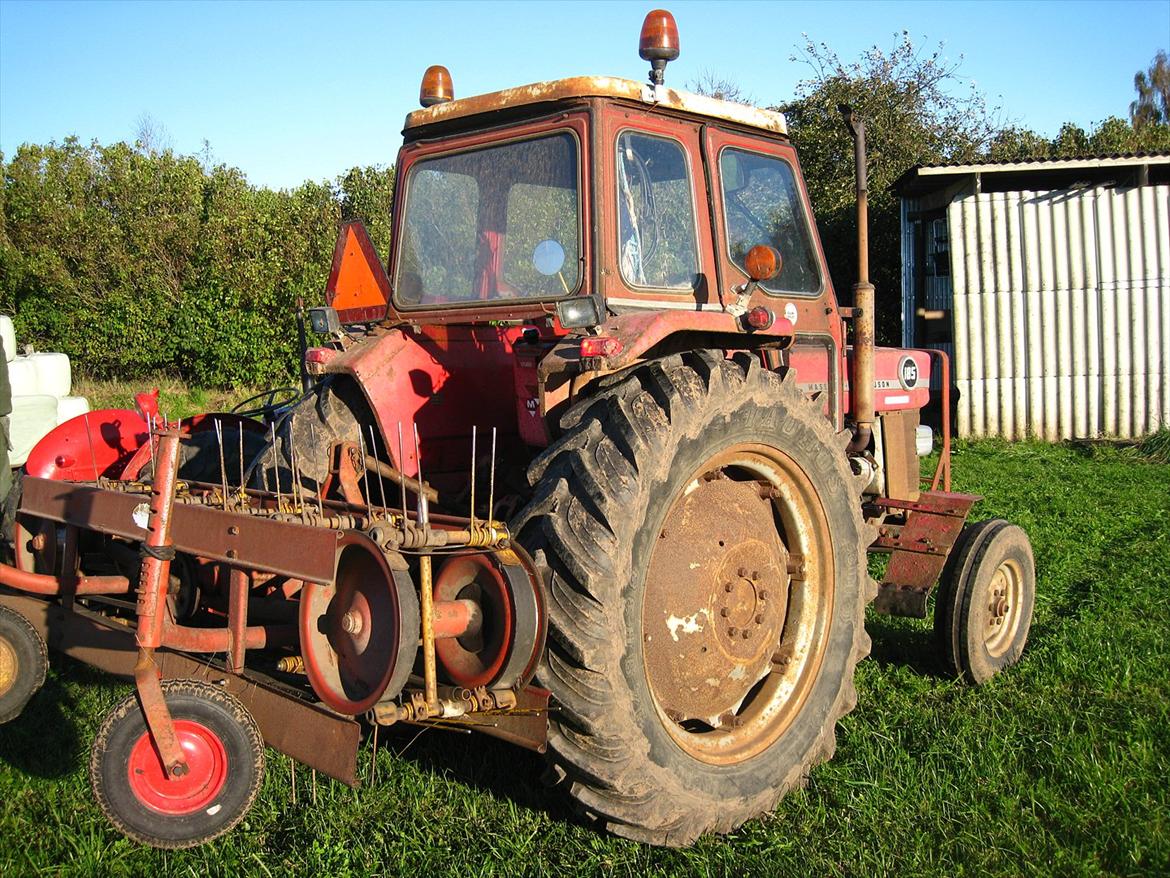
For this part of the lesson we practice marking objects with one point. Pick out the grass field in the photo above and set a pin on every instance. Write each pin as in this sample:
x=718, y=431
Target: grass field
x=1057, y=767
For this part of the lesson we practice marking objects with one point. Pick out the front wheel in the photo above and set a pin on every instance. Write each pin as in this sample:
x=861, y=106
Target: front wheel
x=225, y=760
x=24, y=660
x=707, y=556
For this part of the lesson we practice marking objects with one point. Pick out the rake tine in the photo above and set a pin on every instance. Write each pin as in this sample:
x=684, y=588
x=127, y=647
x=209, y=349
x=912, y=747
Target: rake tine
x=381, y=483
x=472, y=516
x=222, y=464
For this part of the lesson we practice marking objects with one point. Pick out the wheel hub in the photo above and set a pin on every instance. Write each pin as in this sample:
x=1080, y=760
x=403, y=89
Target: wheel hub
x=716, y=600
x=1004, y=592
x=9, y=666
x=184, y=794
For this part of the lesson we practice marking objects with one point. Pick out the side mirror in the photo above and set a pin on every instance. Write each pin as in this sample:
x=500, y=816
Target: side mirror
x=763, y=263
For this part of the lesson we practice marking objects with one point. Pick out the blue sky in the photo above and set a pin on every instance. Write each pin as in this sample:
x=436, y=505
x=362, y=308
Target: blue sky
x=295, y=91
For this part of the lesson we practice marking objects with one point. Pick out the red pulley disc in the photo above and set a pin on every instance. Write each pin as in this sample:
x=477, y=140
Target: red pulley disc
x=507, y=647
x=359, y=635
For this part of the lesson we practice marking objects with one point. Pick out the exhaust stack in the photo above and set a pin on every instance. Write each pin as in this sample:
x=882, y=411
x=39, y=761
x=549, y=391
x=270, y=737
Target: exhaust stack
x=861, y=381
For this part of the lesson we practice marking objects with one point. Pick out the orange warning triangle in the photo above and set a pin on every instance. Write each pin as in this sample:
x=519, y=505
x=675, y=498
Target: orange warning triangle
x=358, y=288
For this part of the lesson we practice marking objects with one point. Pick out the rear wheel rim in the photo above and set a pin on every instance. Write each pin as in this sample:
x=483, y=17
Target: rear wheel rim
x=725, y=696
x=1003, y=599
x=206, y=774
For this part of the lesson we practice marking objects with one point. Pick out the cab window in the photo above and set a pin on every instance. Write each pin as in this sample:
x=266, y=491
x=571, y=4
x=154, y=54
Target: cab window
x=656, y=213
x=762, y=205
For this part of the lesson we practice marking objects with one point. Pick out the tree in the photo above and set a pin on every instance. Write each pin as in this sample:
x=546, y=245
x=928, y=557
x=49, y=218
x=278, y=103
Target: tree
x=916, y=111
x=1152, y=106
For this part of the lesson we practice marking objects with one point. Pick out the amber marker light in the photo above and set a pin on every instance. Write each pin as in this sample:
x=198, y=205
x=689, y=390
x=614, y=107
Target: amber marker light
x=658, y=42
x=436, y=86
x=762, y=262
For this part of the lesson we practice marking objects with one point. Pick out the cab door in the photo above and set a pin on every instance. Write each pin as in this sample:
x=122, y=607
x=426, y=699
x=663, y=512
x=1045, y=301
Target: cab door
x=656, y=242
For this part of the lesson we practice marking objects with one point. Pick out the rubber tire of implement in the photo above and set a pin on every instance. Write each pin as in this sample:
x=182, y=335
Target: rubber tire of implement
x=215, y=709
x=980, y=550
x=32, y=661
x=601, y=492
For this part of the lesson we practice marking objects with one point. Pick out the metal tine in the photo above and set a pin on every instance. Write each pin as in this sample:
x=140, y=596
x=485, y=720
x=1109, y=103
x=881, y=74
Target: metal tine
x=492, y=484
x=423, y=506
x=276, y=468
x=222, y=464
x=97, y=477
x=472, y=516
x=381, y=483
x=317, y=482
x=370, y=508
x=151, y=427
x=241, y=432
x=296, y=467
x=402, y=483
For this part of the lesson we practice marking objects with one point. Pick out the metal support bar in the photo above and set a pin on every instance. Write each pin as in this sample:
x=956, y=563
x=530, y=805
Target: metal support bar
x=919, y=549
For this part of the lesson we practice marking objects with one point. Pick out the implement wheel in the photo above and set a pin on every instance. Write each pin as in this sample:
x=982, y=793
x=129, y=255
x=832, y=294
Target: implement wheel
x=983, y=610
x=707, y=551
x=24, y=659
x=225, y=759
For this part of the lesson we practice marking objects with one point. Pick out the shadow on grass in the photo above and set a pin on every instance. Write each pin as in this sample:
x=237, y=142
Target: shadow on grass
x=44, y=741
x=900, y=642
x=487, y=764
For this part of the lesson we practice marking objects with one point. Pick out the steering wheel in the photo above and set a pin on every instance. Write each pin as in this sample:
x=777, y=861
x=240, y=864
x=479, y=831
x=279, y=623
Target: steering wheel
x=274, y=400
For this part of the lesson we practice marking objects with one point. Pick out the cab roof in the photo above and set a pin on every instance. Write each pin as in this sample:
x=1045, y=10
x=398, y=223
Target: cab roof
x=603, y=87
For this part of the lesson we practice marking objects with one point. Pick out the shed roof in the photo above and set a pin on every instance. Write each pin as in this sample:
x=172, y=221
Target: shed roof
x=600, y=86
x=1026, y=173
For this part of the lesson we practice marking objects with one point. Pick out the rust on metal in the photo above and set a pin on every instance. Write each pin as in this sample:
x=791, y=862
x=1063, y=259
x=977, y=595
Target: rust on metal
x=578, y=87
x=287, y=548
x=731, y=642
x=919, y=549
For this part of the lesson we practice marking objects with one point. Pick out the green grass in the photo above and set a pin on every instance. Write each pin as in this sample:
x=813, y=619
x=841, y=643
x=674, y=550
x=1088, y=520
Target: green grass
x=1056, y=767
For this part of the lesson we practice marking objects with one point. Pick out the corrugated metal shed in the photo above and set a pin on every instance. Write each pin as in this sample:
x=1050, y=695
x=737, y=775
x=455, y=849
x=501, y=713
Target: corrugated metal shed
x=1057, y=299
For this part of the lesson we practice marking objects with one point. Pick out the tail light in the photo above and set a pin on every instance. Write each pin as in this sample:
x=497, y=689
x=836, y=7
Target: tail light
x=601, y=346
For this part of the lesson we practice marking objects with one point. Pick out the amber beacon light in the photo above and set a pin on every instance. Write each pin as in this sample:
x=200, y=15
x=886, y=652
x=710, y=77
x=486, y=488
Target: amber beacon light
x=436, y=86
x=658, y=42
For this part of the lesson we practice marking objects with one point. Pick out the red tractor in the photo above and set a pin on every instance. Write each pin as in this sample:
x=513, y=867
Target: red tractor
x=593, y=464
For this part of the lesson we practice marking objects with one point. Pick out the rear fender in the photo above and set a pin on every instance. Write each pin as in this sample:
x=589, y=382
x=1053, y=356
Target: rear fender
x=93, y=445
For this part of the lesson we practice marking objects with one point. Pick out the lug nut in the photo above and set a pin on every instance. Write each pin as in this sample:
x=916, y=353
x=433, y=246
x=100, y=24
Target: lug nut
x=727, y=587
x=351, y=623
x=725, y=612
x=759, y=618
x=732, y=631
x=742, y=571
x=746, y=634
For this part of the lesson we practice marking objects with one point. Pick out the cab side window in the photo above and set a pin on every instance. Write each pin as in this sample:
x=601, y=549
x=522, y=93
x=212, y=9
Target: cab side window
x=762, y=205
x=656, y=214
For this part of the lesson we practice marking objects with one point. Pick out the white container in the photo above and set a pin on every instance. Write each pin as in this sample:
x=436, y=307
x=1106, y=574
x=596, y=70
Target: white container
x=8, y=337
x=24, y=377
x=54, y=376
x=69, y=407
x=32, y=417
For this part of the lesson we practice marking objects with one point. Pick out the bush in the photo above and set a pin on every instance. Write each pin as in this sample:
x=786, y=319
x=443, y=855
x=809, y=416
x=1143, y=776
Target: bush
x=136, y=262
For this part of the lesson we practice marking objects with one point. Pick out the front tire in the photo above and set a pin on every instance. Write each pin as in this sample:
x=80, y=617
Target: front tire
x=707, y=557
x=225, y=757
x=24, y=660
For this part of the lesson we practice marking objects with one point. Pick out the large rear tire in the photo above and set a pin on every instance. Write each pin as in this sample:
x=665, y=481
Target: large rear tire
x=706, y=550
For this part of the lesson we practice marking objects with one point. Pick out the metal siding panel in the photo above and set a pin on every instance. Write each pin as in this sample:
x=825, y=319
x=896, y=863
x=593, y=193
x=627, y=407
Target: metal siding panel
x=1033, y=285
x=1061, y=304
x=1107, y=260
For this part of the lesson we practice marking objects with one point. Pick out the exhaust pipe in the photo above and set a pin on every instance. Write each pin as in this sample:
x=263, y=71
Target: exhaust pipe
x=861, y=381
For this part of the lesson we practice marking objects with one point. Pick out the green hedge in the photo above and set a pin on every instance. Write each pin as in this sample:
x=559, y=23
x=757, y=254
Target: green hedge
x=137, y=263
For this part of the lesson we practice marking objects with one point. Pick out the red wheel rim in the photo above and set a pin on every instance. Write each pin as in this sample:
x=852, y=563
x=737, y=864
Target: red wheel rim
x=205, y=777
